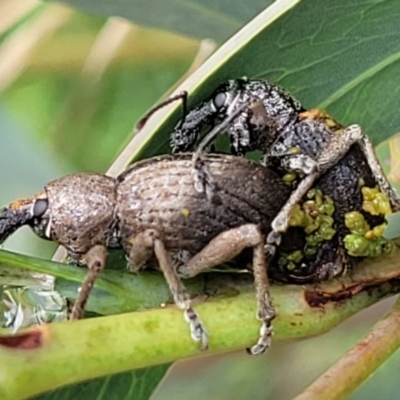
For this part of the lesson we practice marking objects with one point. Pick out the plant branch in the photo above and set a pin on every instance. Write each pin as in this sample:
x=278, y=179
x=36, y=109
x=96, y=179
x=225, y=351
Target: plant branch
x=339, y=381
x=47, y=357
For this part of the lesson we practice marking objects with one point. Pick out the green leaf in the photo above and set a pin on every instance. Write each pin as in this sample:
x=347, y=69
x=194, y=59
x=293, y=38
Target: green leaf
x=342, y=57
x=202, y=19
x=388, y=153
x=88, y=123
x=138, y=385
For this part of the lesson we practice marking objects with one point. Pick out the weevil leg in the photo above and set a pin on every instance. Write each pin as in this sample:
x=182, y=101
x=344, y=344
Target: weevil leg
x=95, y=259
x=380, y=177
x=181, y=297
x=225, y=247
x=265, y=310
x=330, y=155
x=149, y=240
x=338, y=146
x=203, y=180
x=281, y=222
x=341, y=144
x=300, y=163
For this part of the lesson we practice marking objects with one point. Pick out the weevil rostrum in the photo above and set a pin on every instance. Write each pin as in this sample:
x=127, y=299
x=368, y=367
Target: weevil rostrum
x=301, y=145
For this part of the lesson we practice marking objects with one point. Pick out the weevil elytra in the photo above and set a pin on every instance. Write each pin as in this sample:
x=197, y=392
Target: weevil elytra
x=294, y=141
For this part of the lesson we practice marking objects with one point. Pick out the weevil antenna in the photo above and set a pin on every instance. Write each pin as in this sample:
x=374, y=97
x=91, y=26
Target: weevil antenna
x=180, y=96
x=184, y=97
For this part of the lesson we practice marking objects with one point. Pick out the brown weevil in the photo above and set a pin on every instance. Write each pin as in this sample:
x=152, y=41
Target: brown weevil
x=154, y=213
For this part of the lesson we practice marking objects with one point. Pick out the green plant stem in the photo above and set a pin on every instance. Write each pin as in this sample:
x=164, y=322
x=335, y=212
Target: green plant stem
x=70, y=352
x=339, y=381
x=74, y=351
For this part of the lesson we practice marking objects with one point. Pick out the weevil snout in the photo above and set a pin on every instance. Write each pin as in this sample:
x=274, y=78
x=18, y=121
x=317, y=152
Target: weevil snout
x=19, y=213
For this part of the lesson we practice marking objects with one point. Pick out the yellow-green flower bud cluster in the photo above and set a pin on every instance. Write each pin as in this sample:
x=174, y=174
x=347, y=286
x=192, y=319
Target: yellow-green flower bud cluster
x=375, y=202
x=362, y=241
x=314, y=215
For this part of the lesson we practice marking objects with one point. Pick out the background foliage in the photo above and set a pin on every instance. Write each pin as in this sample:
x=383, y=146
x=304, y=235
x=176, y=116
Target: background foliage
x=73, y=85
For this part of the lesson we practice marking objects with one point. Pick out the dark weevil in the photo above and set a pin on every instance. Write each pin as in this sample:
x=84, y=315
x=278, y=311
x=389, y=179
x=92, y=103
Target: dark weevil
x=295, y=142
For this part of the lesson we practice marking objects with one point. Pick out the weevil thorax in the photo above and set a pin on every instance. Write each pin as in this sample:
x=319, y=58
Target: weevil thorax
x=77, y=211
x=307, y=137
x=278, y=103
x=272, y=109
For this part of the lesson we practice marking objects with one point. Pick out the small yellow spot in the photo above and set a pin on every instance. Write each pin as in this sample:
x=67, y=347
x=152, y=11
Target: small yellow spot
x=356, y=223
x=312, y=113
x=16, y=205
x=185, y=212
x=296, y=256
x=369, y=235
x=289, y=177
x=294, y=150
x=376, y=232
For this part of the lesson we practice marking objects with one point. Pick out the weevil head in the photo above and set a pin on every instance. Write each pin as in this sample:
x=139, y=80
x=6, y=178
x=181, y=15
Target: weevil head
x=212, y=110
x=76, y=211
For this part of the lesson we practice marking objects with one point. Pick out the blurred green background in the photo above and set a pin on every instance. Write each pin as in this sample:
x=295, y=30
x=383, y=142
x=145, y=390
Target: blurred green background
x=72, y=91
x=72, y=87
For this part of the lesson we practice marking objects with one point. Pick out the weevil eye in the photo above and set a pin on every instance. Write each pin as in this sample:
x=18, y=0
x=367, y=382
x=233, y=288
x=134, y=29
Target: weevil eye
x=219, y=100
x=40, y=207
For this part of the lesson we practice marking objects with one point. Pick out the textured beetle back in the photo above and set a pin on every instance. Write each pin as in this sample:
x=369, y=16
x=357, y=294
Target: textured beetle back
x=161, y=196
